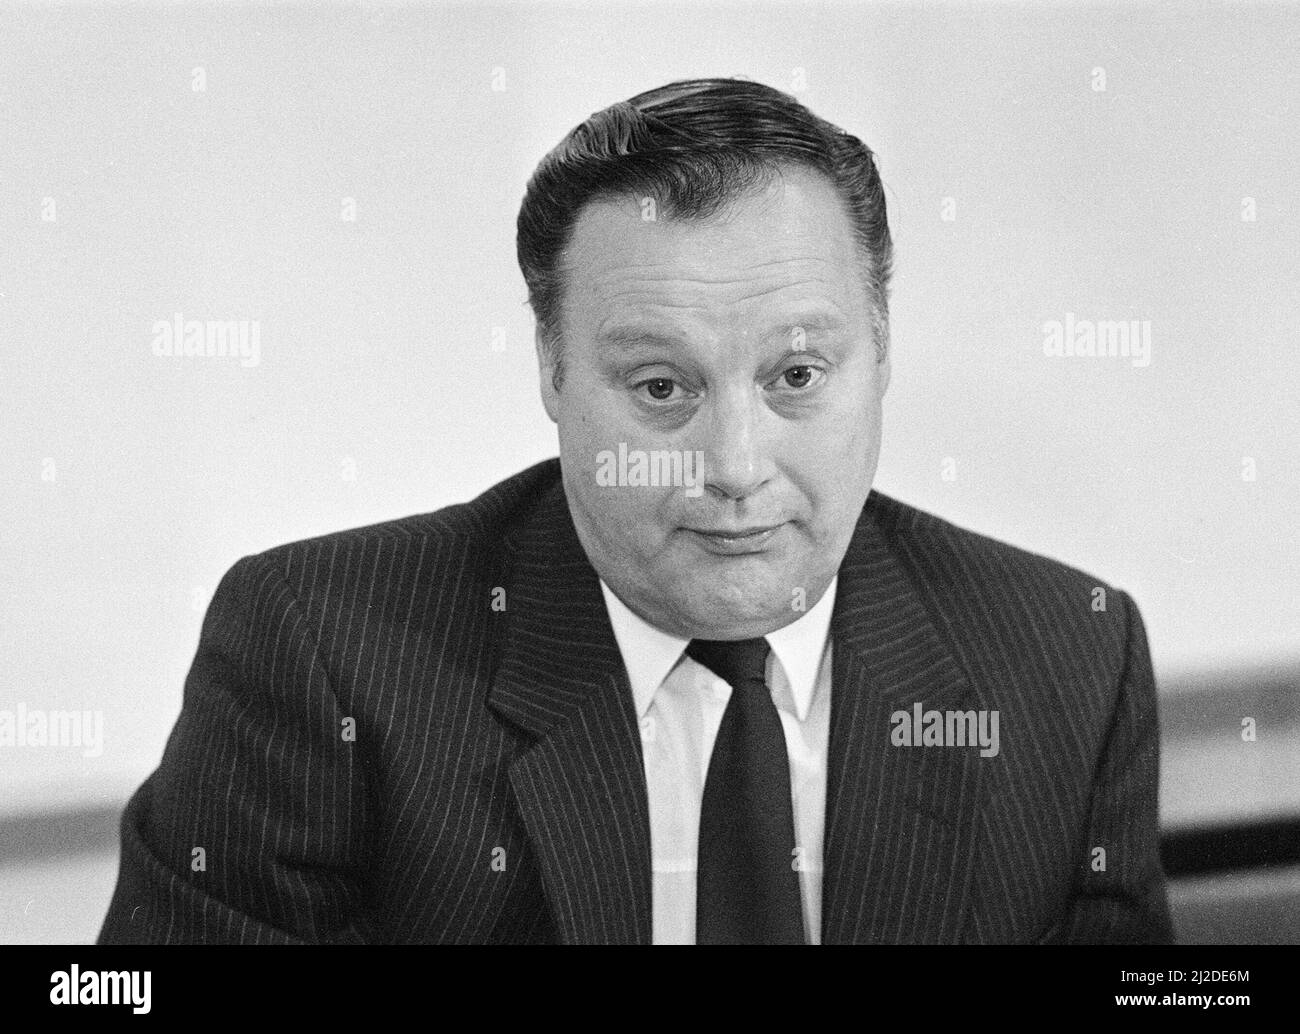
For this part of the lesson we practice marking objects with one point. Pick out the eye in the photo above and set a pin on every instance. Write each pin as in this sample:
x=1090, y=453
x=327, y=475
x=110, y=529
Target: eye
x=800, y=376
x=660, y=389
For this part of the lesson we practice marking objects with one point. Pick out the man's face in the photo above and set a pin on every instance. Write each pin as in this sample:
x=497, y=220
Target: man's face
x=746, y=339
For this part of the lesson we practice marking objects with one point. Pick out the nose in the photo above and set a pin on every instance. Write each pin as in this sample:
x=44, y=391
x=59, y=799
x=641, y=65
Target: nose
x=735, y=460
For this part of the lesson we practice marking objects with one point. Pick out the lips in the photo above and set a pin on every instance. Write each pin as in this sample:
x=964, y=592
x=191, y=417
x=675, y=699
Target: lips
x=735, y=533
x=735, y=541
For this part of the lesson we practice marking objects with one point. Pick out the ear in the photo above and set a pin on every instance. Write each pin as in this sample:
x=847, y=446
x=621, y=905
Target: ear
x=546, y=376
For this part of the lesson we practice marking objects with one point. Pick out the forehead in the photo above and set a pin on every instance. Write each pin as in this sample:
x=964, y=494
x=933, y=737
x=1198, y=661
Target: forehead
x=786, y=245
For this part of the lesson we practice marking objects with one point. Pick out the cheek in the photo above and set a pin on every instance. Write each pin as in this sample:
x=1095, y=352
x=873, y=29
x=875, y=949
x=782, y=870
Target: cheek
x=858, y=442
x=838, y=443
x=834, y=469
x=590, y=417
x=635, y=520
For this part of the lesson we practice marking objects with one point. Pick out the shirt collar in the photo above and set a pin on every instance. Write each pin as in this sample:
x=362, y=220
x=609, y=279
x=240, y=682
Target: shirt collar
x=650, y=654
x=799, y=647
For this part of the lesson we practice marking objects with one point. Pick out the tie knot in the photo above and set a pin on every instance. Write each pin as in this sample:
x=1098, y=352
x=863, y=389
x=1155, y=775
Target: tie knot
x=736, y=661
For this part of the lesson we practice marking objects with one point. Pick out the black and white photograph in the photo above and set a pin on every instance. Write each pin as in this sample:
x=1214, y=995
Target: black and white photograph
x=646, y=473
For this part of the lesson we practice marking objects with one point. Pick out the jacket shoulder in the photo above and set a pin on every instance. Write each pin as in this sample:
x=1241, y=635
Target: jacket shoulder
x=425, y=581
x=395, y=570
x=937, y=551
x=483, y=521
x=981, y=592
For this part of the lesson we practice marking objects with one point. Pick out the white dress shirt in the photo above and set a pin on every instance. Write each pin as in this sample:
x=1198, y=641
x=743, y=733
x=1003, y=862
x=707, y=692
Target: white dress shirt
x=679, y=704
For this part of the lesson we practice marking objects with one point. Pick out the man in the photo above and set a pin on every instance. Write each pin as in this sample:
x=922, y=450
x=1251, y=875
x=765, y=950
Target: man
x=694, y=681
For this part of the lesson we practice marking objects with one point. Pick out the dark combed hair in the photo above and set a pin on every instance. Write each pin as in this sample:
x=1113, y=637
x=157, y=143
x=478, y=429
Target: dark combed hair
x=694, y=146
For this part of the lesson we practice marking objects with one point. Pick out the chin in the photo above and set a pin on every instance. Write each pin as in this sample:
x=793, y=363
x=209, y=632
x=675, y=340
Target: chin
x=713, y=615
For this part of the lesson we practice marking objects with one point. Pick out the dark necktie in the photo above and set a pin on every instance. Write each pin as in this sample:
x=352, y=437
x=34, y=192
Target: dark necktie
x=747, y=889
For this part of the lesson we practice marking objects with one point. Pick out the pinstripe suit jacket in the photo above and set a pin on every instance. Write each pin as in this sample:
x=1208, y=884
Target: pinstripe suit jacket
x=370, y=751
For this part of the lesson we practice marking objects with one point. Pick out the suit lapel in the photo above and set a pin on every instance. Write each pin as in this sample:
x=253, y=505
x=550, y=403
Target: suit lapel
x=581, y=785
x=901, y=822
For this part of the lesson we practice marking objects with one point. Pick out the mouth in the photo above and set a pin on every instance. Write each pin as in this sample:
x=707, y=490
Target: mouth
x=735, y=541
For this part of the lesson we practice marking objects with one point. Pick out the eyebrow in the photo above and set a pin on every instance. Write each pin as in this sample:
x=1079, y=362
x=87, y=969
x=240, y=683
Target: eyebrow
x=820, y=323
x=632, y=335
